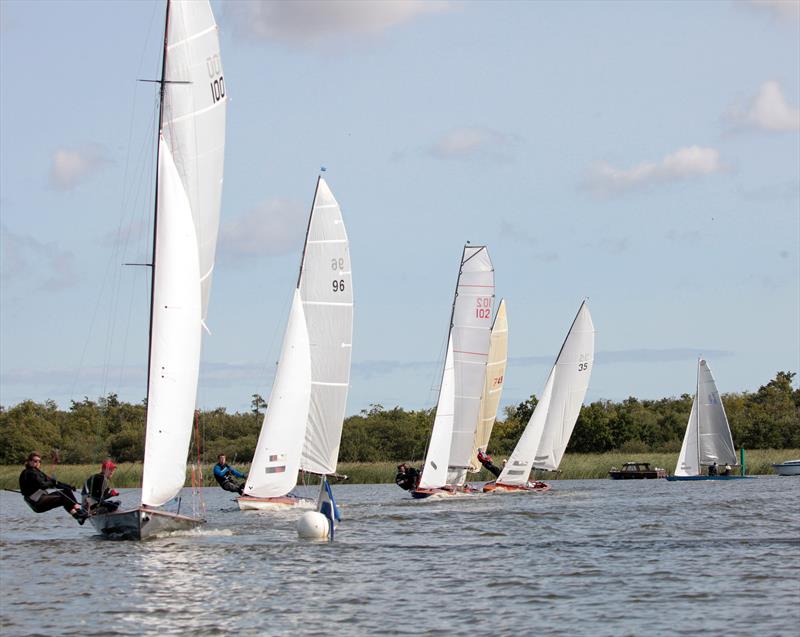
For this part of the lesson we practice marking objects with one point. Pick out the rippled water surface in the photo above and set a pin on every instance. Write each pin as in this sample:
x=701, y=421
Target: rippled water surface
x=592, y=557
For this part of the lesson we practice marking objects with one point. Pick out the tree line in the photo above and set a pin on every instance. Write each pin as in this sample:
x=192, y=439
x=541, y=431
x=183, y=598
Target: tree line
x=88, y=431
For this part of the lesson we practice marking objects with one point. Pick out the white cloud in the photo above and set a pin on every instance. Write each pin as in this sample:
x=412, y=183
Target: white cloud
x=769, y=110
x=783, y=9
x=71, y=166
x=272, y=228
x=468, y=143
x=26, y=262
x=692, y=161
x=314, y=20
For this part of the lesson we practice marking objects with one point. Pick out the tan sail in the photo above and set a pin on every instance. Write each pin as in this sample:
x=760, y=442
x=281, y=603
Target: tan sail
x=493, y=384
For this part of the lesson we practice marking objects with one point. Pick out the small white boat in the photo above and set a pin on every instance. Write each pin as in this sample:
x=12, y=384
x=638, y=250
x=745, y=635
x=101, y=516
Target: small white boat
x=788, y=468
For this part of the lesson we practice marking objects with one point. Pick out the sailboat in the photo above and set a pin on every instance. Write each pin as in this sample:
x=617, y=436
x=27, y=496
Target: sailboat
x=493, y=384
x=547, y=433
x=302, y=427
x=190, y=152
x=458, y=406
x=708, y=439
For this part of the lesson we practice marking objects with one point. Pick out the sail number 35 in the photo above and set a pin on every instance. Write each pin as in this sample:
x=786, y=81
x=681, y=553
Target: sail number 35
x=582, y=367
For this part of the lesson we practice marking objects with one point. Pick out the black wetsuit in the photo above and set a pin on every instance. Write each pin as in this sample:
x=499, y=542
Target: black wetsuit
x=33, y=484
x=222, y=473
x=491, y=467
x=408, y=479
x=97, y=493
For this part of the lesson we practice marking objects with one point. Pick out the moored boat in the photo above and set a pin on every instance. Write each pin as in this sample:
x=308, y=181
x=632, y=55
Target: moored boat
x=788, y=468
x=637, y=471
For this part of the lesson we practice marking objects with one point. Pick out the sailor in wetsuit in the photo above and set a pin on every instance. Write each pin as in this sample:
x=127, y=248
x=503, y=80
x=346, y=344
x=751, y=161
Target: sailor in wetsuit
x=43, y=493
x=407, y=478
x=486, y=461
x=224, y=473
x=97, y=491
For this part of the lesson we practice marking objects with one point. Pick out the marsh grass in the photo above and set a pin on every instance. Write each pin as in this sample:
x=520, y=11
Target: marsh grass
x=574, y=466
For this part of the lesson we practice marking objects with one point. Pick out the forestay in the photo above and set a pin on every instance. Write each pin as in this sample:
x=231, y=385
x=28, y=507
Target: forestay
x=434, y=471
x=493, y=384
x=273, y=472
x=328, y=305
x=547, y=433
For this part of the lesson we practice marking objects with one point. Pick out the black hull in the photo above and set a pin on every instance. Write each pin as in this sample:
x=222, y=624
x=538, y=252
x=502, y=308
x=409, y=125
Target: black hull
x=141, y=523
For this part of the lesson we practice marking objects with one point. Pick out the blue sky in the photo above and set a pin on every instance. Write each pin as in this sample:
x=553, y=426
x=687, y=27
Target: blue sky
x=644, y=155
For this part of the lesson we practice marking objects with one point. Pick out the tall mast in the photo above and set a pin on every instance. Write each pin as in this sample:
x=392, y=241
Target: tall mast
x=697, y=402
x=162, y=83
x=308, y=229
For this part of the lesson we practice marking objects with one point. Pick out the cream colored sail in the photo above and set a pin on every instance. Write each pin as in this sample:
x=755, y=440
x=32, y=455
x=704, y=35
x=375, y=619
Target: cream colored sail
x=493, y=385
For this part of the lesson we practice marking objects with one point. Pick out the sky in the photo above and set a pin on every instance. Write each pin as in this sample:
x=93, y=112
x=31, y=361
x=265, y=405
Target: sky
x=642, y=155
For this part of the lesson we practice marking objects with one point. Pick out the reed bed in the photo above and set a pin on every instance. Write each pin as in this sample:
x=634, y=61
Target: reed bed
x=575, y=466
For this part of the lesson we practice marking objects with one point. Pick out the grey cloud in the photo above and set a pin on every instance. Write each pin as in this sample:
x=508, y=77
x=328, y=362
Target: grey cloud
x=272, y=228
x=27, y=261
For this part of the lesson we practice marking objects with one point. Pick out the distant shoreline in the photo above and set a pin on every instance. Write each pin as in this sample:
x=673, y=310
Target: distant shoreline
x=575, y=466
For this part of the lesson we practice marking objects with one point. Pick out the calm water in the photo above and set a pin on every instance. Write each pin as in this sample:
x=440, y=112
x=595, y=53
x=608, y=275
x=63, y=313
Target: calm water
x=593, y=557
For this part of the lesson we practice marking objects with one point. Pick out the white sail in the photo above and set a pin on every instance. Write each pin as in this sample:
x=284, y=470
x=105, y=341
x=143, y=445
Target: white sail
x=555, y=415
x=493, y=384
x=471, y=333
x=434, y=471
x=327, y=293
x=273, y=472
x=688, y=460
x=175, y=340
x=191, y=149
x=715, y=440
x=708, y=436
x=518, y=468
x=193, y=120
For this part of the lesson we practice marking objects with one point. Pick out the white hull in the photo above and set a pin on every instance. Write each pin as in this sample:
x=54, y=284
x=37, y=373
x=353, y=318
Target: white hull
x=790, y=468
x=141, y=523
x=248, y=503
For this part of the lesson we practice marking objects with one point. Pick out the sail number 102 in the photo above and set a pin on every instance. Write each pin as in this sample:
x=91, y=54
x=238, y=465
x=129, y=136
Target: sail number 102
x=483, y=307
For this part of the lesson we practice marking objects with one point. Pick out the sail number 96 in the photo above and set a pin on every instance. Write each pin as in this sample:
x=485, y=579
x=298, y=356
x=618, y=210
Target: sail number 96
x=338, y=286
x=483, y=307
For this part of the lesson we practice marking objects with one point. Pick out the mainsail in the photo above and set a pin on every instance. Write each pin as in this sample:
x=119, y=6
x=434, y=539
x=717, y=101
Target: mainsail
x=493, y=384
x=327, y=298
x=190, y=163
x=463, y=377
x=547, y=433
x=708, y=436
